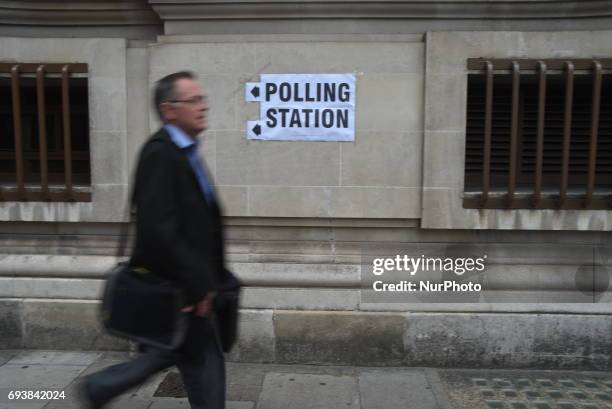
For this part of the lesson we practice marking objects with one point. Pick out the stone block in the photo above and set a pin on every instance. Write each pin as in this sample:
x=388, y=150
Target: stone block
x=573, y=341
x=300, y=298
x=66, y=324
x=105, y=56
x=338, y=338
x=389, y=102
x=297, y=274
x=108, y=157
x=376, y=202
x=219, y=58
x=382, y=159
x=507, y=340
x=444, y=165
x=139, y=105
x=108, y=204
x=270, y=201
x=107, y=102
x=256, y=341
x=222, y=91
x=343, y=57
x=443, y=209
x=445, y=102
x=37, y=265
x=208, y=153
x=473, y=339
x=11, y=331
x=447, y=52
x=234, y=200
x=285, y=163
x=294, y=232
x=290, y=247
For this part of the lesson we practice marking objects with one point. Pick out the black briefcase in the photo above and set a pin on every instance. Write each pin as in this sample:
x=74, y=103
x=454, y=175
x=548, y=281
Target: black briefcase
x=226, y=309
x=144, y=308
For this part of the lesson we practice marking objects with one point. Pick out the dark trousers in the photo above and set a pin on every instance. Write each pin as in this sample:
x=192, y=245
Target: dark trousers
x=203, y=373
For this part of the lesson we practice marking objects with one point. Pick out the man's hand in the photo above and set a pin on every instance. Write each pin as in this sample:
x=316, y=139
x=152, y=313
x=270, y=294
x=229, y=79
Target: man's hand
x=202, y=308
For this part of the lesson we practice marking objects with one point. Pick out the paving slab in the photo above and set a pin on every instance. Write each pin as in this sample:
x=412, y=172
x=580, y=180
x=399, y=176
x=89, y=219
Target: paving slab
x=22, y=405
x=239, y=405
x=6, y=355
x=268, y=386
x=54, y=358
x=308, y=391
x=106, y=359
x=38, y=377
x=182, y=403
x=395, y=389
x=170, y=403
x=244, y=382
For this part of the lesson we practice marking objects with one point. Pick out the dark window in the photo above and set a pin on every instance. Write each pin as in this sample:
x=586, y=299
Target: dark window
x=44, y=132
x=563, y=105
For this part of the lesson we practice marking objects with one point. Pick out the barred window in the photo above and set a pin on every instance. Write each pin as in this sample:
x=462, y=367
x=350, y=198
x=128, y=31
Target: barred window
x=539, y=134
x=44, y=132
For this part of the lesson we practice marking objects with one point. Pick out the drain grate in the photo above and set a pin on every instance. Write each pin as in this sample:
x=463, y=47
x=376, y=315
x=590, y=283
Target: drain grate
x=171, y=387
x=527, y=390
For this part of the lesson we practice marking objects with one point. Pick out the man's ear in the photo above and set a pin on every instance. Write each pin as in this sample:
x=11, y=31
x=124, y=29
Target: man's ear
x=167, y=111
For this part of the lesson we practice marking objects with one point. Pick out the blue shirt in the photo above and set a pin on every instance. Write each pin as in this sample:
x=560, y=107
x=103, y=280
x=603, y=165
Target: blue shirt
x=190, y=147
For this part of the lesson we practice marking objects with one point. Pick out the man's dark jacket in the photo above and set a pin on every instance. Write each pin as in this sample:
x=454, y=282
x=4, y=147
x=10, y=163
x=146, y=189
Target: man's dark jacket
x=178, y=233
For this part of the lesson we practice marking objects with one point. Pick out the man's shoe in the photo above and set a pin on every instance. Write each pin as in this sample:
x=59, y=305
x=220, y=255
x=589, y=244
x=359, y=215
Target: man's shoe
x=87, y=398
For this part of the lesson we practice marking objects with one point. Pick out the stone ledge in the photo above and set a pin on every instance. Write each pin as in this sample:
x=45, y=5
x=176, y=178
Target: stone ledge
x=73, y=12
x=468, y=340
x=253, y=274
x=408, y=9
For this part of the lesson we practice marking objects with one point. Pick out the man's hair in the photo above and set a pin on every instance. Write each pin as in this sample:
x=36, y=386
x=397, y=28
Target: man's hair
x=164, y=88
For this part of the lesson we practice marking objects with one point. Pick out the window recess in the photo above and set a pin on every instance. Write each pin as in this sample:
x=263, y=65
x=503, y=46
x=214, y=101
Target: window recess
x=539, y=134
x=44, y=132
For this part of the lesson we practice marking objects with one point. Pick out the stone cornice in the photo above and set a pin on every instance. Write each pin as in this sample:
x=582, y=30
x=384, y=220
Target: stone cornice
x=78, y=13
x=390, y=9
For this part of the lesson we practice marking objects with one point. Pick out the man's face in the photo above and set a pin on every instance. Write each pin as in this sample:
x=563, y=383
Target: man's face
x=189, y=107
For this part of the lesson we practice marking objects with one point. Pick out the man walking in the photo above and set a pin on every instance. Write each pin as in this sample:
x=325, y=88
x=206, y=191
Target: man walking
x=179, y=236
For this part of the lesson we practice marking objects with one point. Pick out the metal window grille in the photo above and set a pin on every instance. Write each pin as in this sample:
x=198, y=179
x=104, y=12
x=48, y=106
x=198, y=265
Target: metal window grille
x=44, y=132
x=539, y=134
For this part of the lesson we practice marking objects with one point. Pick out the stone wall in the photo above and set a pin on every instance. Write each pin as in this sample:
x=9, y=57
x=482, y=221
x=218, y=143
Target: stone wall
x=300, y=215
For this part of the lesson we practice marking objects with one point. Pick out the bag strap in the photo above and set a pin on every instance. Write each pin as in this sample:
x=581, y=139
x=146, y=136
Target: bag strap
x=123, y=235
x=125, y=227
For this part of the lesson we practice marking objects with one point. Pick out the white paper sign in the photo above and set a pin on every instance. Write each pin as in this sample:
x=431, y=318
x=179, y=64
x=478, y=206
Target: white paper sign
x=303, y=107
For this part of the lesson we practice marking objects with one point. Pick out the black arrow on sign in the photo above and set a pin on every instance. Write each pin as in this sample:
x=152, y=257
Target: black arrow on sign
x=255, y=92
x=257, y=130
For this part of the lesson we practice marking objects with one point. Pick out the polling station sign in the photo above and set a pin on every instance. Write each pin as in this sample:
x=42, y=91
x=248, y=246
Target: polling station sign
x=303, y=107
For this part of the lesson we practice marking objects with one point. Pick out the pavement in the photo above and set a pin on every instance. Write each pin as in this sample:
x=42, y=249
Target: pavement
x=271, y=386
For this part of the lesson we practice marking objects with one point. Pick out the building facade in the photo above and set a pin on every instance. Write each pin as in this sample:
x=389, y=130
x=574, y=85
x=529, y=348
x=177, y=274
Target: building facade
x=453, y=156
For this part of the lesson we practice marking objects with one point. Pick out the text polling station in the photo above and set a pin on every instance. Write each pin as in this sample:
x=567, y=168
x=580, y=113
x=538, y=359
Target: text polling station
x=303, y=107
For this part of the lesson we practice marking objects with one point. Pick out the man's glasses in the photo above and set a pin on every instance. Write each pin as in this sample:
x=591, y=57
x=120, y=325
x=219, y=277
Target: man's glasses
x=197, y=100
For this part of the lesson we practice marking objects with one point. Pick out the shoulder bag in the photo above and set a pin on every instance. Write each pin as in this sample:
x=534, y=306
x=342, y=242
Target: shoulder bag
x=140, y=306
